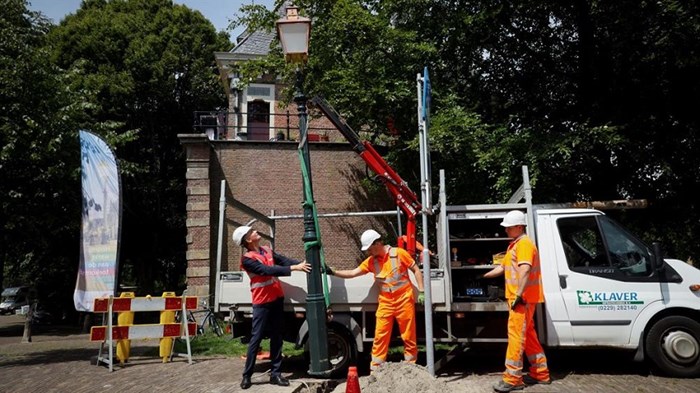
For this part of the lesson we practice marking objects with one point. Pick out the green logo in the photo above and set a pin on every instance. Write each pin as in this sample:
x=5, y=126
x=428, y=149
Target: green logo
x=588, y=298
x=585, y=298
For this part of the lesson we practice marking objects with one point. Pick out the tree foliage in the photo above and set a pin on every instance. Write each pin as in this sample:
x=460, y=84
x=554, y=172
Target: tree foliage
x=591, y=95
x=150, y=65
x=132, y=71
x=39, y=184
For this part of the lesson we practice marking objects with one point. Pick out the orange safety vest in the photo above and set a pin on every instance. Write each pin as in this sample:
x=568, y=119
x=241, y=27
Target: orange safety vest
x=391, y=279
x=265, y=289
x=523, y=249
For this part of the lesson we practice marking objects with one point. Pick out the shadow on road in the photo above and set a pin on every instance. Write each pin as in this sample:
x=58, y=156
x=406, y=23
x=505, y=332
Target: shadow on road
x=491, y=360
x=13, y=326
x=60, y=343
x=48, y=357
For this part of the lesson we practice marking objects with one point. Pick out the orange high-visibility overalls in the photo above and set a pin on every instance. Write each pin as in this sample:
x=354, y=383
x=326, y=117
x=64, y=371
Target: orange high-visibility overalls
x=522, y=336
x=396, y=301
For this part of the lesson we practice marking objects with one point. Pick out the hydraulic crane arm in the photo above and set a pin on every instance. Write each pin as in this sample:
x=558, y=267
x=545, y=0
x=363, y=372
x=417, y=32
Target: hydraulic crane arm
x=404, y=197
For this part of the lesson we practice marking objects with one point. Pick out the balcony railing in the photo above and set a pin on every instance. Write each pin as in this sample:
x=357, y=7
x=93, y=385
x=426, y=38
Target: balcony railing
x=260, y=126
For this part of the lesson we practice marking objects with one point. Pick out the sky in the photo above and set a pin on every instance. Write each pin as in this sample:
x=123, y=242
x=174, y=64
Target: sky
x=219, y=12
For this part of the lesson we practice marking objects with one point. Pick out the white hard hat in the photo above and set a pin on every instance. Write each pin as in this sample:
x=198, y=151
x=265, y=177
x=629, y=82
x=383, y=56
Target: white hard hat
x=239, y=234
x=513, y=218
x=368, y=237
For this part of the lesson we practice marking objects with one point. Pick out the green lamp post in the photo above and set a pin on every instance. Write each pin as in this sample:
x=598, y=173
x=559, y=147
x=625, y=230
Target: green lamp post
x=294, y=31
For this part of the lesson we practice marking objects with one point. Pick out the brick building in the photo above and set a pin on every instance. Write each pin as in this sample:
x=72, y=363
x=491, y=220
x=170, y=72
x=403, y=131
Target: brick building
x=251, y=147
x=256, y=110
x=264, y=179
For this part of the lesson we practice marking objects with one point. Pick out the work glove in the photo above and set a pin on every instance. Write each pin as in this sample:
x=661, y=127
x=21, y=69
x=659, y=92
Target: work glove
x=329, y=271
x=421, y=298
x=518, y=301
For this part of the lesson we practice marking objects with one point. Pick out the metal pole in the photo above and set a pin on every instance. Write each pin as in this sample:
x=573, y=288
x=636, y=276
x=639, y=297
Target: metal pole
x=288, y=125
x=331, y=215
x=219, y=244
x=398, y=220
x=425, y=257
x=315, y=301
x=442, y=239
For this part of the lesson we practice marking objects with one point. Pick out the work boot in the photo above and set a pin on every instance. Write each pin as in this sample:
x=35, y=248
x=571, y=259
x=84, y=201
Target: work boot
x=529, y=380
x=503, y=386
x=279, y=380
x=245, y=383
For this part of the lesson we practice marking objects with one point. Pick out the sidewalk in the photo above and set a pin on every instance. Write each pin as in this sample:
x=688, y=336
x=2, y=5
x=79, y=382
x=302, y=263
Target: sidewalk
x=58, y=360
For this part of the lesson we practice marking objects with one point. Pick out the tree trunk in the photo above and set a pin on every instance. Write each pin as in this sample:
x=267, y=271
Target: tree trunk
x=27, y=336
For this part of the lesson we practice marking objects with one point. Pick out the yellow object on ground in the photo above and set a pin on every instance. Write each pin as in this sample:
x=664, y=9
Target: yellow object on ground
x=124, y=318
x=166, y=344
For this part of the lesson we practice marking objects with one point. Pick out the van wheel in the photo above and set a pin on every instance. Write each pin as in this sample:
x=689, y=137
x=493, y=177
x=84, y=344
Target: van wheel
x=341, y=351
x=673, y=344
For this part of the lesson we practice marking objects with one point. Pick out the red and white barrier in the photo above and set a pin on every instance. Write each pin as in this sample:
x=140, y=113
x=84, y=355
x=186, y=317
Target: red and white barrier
x=145, y=304
x=142, y=332
x=109, y=333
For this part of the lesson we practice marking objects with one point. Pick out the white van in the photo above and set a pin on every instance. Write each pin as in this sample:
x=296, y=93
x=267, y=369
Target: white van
x=603, y=287
x=13, y=299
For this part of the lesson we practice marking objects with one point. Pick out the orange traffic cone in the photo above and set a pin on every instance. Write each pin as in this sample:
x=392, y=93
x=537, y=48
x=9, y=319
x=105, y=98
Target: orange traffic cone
x=353, y=383
x=262, y=355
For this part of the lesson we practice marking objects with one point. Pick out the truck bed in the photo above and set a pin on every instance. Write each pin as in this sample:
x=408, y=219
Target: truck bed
x=356, y=294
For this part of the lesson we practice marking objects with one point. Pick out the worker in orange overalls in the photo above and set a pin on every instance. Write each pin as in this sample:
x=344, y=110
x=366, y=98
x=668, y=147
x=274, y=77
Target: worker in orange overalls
x=521, y=266
x=390, y=266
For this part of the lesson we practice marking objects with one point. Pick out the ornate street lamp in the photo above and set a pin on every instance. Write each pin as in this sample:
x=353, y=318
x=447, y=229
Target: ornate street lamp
x=293, y=31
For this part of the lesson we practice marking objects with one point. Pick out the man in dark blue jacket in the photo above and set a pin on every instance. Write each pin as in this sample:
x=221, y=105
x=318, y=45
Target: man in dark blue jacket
x=263, y=267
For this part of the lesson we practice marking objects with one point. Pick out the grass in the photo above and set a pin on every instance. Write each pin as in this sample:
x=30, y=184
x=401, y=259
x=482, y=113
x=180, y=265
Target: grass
x=210, y=344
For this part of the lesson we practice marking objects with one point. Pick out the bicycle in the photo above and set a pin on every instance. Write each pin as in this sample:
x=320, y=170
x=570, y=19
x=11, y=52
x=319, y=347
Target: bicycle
x=209, y=323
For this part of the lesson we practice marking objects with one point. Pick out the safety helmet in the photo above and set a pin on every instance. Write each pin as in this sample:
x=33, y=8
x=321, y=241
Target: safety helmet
x=368, y=237
x=239, y=234
x=513, y=218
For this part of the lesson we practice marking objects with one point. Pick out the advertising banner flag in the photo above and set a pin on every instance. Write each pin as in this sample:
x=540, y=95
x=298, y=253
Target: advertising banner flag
x=101, y=219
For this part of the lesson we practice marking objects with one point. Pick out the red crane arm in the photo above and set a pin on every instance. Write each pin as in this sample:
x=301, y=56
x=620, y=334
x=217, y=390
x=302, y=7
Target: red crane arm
x=404, y=197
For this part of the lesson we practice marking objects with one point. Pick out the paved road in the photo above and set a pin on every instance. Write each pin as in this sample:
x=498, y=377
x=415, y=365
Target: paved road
x=57, y=360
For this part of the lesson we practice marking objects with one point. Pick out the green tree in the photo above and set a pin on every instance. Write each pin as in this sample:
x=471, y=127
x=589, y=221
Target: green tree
x=358, y=61
x=39, y=160
x=591, y=95
x=150, y=65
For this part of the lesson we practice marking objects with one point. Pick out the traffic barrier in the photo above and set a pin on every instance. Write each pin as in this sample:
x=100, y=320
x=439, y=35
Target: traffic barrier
x=127, y=331
x=166, y=343
x=124, y=318
x=145, y=304
x=353, y=382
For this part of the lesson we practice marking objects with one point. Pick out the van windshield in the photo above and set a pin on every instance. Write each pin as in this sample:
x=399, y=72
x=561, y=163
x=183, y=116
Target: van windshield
x=14, y=291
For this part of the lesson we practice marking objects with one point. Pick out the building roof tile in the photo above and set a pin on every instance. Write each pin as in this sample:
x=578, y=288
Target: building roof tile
x=255, y=43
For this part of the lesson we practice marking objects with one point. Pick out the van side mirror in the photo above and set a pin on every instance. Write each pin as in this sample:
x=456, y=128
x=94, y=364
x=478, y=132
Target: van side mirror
x=657, y=259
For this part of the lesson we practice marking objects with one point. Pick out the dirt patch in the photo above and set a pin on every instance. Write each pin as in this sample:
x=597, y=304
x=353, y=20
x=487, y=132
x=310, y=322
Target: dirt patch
x=394, y=377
